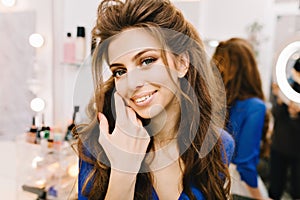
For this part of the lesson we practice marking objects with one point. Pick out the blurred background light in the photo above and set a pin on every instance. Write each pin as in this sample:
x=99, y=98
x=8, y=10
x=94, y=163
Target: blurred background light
x=36, y=40
x=8, y=3
x=213, y=43
x=37, y=104
x=281, y=76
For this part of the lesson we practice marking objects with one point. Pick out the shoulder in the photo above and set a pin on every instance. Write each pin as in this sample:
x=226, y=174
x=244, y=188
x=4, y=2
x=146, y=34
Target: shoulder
x=228, y=144
x=226, y=138
x=253, y=104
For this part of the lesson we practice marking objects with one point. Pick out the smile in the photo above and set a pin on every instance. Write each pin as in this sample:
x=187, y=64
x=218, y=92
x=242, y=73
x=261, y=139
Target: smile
x=144, y=99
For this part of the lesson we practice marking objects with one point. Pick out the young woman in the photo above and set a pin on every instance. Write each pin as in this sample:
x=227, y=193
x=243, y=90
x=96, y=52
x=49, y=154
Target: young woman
x=155, y=123
x=247, y=116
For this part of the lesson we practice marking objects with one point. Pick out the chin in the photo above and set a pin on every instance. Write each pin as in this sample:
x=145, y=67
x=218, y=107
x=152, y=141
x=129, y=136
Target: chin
x=145, y=121
x=149, y=113
x=143, y=117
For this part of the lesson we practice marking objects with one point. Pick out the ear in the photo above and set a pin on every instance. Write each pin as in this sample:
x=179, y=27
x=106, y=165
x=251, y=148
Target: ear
x=183, y=65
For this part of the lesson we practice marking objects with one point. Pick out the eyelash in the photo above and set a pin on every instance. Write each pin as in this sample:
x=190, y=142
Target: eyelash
x=117, y=71
x=151, y=59
x=144, y=62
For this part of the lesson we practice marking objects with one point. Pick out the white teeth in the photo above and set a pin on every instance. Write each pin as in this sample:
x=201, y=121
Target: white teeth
x=144, y=98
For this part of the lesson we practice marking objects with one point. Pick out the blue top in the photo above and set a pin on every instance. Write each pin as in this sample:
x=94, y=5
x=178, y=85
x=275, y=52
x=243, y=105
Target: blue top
x=85, y=169
x=246, y=121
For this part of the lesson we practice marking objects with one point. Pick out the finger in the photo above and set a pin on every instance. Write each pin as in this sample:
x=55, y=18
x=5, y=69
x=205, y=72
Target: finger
x=103, y=125
x=143, y=134
x=132, y=116
x=140, y=123
x=121, y=113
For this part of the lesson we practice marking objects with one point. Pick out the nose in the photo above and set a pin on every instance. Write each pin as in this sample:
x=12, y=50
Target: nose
x=135, y=79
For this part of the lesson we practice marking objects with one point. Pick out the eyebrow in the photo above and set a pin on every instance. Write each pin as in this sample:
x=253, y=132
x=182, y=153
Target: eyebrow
x=139, y=54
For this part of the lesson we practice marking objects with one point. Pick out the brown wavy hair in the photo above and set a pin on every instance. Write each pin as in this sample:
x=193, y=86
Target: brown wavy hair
x=236, y=61
x=209, y=173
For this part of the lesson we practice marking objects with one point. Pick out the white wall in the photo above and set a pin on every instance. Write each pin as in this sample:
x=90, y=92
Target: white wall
x=80, y=13
x=230, y=18
x=214, y=19
x=43, y=55
x=71, y=13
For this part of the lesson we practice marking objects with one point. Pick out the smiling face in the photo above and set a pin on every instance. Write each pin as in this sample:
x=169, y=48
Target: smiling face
x=140, y=75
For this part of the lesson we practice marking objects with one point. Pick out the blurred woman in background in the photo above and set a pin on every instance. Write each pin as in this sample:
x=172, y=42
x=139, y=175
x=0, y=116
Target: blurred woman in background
x=247, y=114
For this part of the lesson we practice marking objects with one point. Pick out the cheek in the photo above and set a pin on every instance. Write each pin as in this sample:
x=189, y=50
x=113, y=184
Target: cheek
x=160, y=75
x=121, y=87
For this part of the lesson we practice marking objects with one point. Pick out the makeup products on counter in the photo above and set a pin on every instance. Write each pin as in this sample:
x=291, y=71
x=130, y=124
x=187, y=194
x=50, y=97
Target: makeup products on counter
x=69, y=134
x=69, y=49
x=80, y=43
x=46, y=159
x=31, y=135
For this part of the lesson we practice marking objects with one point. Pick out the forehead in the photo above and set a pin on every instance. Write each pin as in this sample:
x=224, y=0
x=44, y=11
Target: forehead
x=131, y=40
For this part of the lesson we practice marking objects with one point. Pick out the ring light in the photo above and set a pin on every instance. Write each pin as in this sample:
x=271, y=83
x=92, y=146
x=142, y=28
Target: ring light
x=283, y=84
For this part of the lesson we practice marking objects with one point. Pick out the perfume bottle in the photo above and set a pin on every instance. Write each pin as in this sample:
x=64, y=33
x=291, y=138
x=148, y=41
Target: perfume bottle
x=80, y=44
x=69, y=135
x=69, y=49
x=31, y=135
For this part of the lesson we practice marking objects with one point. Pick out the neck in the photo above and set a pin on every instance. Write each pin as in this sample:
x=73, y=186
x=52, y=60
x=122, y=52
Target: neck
x=164, y=126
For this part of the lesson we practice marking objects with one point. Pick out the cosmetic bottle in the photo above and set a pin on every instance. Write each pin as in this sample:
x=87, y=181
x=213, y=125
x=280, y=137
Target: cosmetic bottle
x=69, y=135
x=80, y=44
x=69, y=49
x=50, y=144
x=44, y=132
x=47, y=132
x=38, y=137
x=44, y=141
x=31, y=135
x=43, y=127
x=57, y=141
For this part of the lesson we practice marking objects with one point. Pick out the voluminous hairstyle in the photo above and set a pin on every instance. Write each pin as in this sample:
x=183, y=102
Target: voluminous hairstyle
x=235, y=58
x=208, y=173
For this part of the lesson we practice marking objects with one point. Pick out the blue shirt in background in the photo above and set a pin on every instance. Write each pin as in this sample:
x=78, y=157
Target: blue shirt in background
x=246, y=122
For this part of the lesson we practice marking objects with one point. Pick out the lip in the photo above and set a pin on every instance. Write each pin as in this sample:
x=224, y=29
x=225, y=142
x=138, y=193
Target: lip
x=144, y=98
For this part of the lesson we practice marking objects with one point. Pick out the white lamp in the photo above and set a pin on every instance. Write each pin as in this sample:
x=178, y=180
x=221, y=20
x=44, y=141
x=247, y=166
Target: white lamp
x=213, y=43
x=36, y=40
x=283, y=84
x=37, y=104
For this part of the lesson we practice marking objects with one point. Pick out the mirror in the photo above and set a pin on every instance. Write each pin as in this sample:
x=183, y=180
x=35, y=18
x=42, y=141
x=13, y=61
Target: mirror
x=214, y=20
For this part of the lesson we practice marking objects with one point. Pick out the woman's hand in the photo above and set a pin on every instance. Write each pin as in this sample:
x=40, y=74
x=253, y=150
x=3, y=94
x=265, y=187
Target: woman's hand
x=126, y=146
x=293, y=109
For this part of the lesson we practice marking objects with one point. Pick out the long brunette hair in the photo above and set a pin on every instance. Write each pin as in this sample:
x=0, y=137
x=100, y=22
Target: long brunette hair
x=209, y=173
x=235, y=58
